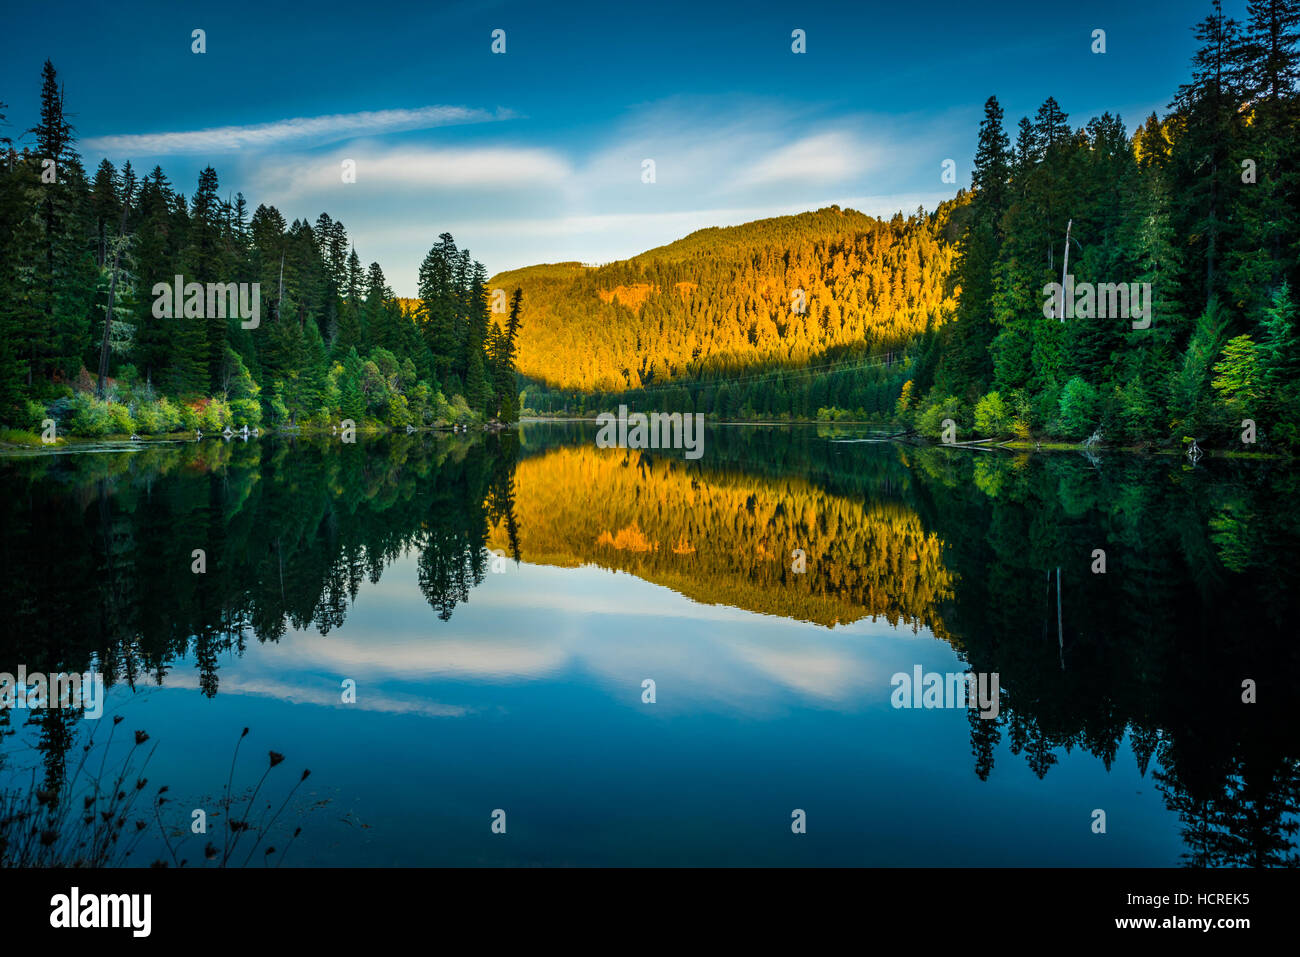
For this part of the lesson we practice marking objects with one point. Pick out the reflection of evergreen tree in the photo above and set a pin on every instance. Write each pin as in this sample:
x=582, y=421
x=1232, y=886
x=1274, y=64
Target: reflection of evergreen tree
x=98, y=552
x=1156, y=647
x=1250, y=819
x=984, y=738
x=501, y=496
x=446, y=570
x=99, y=549
x=453, y=557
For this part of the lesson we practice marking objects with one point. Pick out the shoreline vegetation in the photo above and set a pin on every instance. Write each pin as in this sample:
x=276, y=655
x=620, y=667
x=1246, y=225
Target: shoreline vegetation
x=890, y=433
x=1138, y=286
x=13, y=442
x=933, y=322
x=104, y=330
x=18, y=440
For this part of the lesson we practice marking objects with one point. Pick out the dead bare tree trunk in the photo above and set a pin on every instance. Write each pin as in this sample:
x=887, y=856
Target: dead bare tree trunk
x=1065, y=270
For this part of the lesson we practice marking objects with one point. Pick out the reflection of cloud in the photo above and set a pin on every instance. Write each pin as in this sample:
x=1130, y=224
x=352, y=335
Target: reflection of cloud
x=235, y=682
x=220, y=139
x=548, y=624
x=821, y=674
x=377, y=659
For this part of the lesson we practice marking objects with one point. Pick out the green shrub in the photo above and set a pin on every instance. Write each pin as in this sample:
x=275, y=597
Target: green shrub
x=1136, y=413
x=216, y=416
x=20, y=437
x=460, y=410
x=89, y=416
x=245, y=412
x=992, y=416
x=35, y=415
x=171, y=415
x=318, y=421
x=1079, y=409
x=442, y=411
x=397, y=413
x=419, y=402
x=148, y=418
x=836, y=414
x=929, y=421
x=279, y=412
x=120, y=417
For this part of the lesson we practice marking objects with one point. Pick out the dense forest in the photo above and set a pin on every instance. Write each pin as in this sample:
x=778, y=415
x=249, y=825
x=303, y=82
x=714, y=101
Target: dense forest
x=1200, y=204
x=945, y=316
x=698, y=323
x=940, y=321
x=82, y=341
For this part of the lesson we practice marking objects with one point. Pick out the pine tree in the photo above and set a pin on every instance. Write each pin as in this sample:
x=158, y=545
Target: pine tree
x=478, y=390
x=501, y=356
x=439, y=299
x=1267, y=62
x=65, y=269
x=16, y=309
x=967, y=367
x=1208, y=108
x=1280, y=349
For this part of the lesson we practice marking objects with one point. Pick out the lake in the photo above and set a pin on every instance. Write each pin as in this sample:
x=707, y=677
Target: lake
x=524, y=649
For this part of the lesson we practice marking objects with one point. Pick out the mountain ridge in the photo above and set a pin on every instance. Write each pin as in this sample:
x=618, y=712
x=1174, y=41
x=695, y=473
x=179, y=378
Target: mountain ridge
x=728, y=298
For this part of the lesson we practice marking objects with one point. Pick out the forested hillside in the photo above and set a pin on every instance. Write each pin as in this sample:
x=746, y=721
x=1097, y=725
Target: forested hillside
x=82, y=340
x=723, y=537
x=921, y=320
x=1202, y=206
x=787, y=293
x=1196, y=214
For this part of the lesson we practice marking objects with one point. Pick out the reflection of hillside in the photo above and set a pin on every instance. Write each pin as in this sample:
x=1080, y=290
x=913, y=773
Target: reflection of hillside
x=726, y=538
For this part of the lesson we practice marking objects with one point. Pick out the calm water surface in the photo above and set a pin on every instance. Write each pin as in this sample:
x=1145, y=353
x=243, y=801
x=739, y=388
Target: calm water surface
x=499, y=602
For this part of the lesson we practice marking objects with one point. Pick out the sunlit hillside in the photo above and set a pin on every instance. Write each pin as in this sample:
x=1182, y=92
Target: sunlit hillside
x=776, y=291
x=721, y=537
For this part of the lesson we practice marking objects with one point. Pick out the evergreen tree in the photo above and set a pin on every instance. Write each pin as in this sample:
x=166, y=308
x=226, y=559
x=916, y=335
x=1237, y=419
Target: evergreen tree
x=64, y=267
x=967, y=367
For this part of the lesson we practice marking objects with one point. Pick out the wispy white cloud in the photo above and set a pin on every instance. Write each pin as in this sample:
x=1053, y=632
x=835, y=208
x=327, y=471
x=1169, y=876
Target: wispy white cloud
x=223, y=139
x=529, y=197
x=830, y=157
x=383, y=169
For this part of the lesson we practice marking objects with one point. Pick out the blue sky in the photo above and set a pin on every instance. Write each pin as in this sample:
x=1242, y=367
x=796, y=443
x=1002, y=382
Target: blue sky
x=536, y=155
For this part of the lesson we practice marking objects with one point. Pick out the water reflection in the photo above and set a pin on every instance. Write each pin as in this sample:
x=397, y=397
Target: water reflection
x=994, y=555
